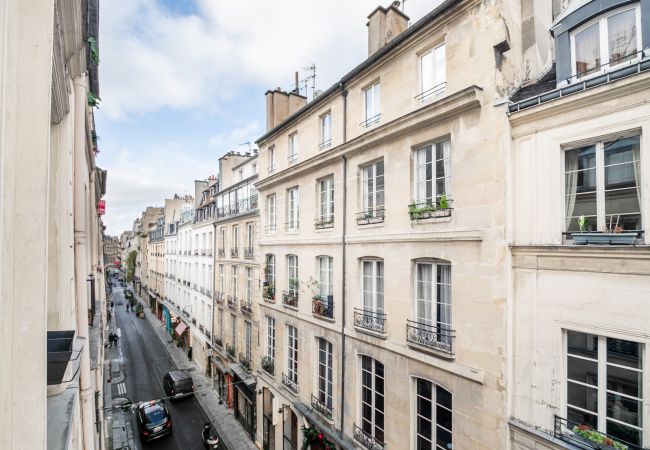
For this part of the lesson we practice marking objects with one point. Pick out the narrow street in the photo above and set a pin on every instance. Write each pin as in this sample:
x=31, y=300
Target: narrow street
x=145, y=362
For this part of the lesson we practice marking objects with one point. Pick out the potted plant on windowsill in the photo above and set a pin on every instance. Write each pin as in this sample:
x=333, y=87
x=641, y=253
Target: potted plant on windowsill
x=590, y=437
x=613, y=234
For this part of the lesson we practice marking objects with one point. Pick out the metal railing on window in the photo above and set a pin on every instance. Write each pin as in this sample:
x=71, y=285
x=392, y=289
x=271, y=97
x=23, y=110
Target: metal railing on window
x=245, y=361
x=368, y=441
x=232, y=302
x=438, y=207
x=324, y=222
x=221, y=252
x=231, y=350
x=436, y=336
x=292, y=159
x=431, y=92
x=370, y=320
x=290, y=298
x=271, y=168
x=292, y=225
x=234, y=251
x=268, y=293
x=370, y=121
x=242, y=206
x=249, y=252
x=585, y=436
x=325, y=144
x=370, y=216
x=219, y=296
x=246, y=308
x=268, y=364
x=321, y=408
x=323, y=306
x=288, y=382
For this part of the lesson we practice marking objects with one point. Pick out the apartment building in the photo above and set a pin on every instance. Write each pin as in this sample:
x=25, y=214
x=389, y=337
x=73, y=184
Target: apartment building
x=383, y=313
x=235, y=212
x=52, y=291
x=580, y=257
x=181, y=298
x=143, y=277
x=156, y=262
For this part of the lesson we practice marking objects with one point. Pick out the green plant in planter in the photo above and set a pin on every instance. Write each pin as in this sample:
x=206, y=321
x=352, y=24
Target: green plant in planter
x=582, y=224
x=594, y=436
x=93, y=99
x=311, y=435
x=294, y=283
x=444, y=204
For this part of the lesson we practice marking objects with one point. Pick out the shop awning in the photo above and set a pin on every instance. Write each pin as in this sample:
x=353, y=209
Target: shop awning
x=241, y=373
x=180, y=328
x=341, y=441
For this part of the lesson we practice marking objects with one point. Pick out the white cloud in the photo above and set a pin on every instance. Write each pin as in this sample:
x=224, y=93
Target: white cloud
x=237, y=137
x=153, y=59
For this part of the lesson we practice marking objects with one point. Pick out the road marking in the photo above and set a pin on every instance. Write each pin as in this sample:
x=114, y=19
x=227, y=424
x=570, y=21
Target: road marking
x=119, y=332
x=121, y=389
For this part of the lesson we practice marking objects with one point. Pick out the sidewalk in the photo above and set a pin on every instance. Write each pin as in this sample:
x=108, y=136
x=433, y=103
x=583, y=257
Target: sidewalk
x=232, y=434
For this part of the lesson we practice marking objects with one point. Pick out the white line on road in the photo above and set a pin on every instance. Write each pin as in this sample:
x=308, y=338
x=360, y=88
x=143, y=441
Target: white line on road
x=119, y=332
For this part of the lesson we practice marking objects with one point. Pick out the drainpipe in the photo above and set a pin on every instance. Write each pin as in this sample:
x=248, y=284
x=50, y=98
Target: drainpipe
x=213, y=284
x=344, y=93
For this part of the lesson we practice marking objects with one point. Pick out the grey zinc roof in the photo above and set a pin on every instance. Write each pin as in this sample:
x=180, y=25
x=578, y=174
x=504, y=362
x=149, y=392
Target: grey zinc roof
x=573, y=6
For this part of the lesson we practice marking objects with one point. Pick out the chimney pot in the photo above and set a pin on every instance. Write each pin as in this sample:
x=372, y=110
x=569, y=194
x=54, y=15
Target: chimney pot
x=384, y=25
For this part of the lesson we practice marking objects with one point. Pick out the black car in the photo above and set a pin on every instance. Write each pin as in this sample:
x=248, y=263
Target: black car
x=178, y=384
x=153, y=420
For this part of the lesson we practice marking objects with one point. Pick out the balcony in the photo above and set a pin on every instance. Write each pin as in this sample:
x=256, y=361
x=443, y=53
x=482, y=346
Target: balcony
x=323, y=306
x=196, y=251
x=246, y=308
x=59, y=352
x=432, y=92
x=370, y=121
x=374, y=321
x=321, y=408
x=367, y=441
x=439, y=207
x=245, y=362
x=371, y=216
x=208, y=252
x=221, y=252
x=203, y=252
x=232, y=302
x=241, y=207
x=292, y=159
x=437, y=337
x=268, y=364
x=584, y=436
x=324, y=222
x=249, y=252
x=292, y=225
x=231, y=350
x=290, y=383
x=290, y=298
x=268, y=292
x=234, y=252
x=218, y=341
x=271, y=168
x=219, y=296
x=325, y=144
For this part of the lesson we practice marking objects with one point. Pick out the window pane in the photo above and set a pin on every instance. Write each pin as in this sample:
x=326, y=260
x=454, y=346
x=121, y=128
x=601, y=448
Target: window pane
x=443, y=397
x=426, y=62
x=624, y=433
x=582, y=396
x=443, y=438
x=582, y=370
x=443, y=417
x=582, y=344
x=623, y=409
x=440, y=65
x=622, y=38
x=582, y=417
x=624, y=353
x=587, y=50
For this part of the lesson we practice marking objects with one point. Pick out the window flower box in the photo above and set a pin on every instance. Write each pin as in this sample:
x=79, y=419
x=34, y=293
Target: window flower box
x=598, y=238
x=441, y=207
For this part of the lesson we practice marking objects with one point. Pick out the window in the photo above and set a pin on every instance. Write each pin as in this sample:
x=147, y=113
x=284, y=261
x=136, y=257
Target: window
x=271, y=212
x=241, y=174
x=372, y=398
x=433, y=301
x=248, y=338
x=610, y=41
x=293, y=209
x=269, y=270
x=254, y=168
x=271, y=168
x=432, y=173
x=221, y=325
x=325, y=373
x=235, y=283
x=372, y=111
x=325, y=130
x=373, y=285
x=223, y=239
x=326, y=193
x=292, y=353
x=373, y=189
x=250, y=238
x=235, y=238
x=249, y=286
x=604, y=385
x=433, y=416
x=432, y=72
x=270, y=337
x=602, y=185
x=292, y=274
x=293, y=148
x=222, y=278
x=325, y=276
x=233, y=329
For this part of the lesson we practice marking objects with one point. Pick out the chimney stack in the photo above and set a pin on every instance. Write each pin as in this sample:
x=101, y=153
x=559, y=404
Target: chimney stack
x=384, y=25
x=280, y=105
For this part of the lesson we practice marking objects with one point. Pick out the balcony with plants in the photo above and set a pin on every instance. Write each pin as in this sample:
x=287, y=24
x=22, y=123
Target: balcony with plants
x=431, y=209
x=324, y=222
x=246, y=308
x=290, y=297
x=231, y=350
x=584, y=436
x=245, y=361
x=322, y=306
x=371, y=216
x=268, y=291
x=290, y=383
x=232, y=302
x=321, y=407
x=268, y=365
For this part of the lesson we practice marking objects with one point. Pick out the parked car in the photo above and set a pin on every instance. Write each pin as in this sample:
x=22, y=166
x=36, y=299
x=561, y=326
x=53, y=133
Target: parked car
x=153, y=420
x=178, y=384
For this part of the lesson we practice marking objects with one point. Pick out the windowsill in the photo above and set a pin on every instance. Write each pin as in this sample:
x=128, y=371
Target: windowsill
x=326, y=319
x=322, y=229
x=289, y=307
x=431, y=220
x=295, y=231
x=371, y=333
x=371, y=225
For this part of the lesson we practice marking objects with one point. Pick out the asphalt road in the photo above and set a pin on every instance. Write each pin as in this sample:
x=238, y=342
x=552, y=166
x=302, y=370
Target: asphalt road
x=145, y=363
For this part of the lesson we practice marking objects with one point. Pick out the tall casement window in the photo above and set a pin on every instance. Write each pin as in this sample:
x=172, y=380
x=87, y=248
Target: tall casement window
x=432, y=72
x=611, y=40
x=604, y=385
x=326, y=199
x=222, y=278
x=602, y=185
x=325, y=130
x=293, y=209
x=270, y=337
x=249, y=286
x=372, y=401
x=235, y=238
x=292, y=354
x=271, y=212
x=432, y=325
x=222, y=331
x=325, y=374
x=373, y=285
x=433, y=174
x=293, y=148
x=433, y=415
x=233, y=330
x=373, y=189
x=250, y=239
x=248, y=339
x=325, y=277
x=235, y=281
x=292, y=275
x=223, y=240
x=271, y=167
x=372, y=105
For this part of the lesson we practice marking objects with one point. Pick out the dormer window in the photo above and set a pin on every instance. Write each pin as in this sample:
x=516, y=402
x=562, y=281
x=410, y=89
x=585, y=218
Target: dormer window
x=606, y=42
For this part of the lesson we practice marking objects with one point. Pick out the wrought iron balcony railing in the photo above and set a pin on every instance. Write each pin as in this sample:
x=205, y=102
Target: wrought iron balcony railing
x=432, y=92
x=221, y=252
x=231, y=350
x=232, y=302
x=219, y=296
x=290, y=298
x=436, y=336
x=437, y=207
x=585, y=436
x=268, y=364
x=268, y=293
x=271, y=168
x=367, y=441
x=292, y=159
x=370, y=121
x=370, y=320
x=245, y=361
x=240, y=207
x=370, y=216
x=325, y=144
x=323, y=306
x=246, y=308
x=321, y=408
x=290, y=383
x=249, y=252
x=234, y=251
x=324, y=222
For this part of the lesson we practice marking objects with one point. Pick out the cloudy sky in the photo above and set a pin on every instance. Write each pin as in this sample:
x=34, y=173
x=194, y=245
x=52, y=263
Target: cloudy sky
x=183, y=81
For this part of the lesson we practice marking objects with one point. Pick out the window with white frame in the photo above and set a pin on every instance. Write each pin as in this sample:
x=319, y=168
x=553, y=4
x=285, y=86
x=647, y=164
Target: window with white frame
x=293, y=148
x=223, y=239
x=433, y=302
x=235, y=282
x=602, y=186
x=432, y=72
x=372, y=398
x=433, y=416
x=292, y=353
x=373, y=189
x=326, y=199
x=271, y=167
x=221, y=324
x=222, y=278
x=372, y=105
x=235, y=238
x=292, y=275
x=233, y=330
x=325, y=130
x=271, y=212
x=609, y=41
x=433, y=174
x=605, y=385
x=373, y=285
x=249, y=286
x=248, y=339
x=270, y=337
x=325, y=373
x=250, y=237
x=269, y=270
x=325, y=277
x=293, y=209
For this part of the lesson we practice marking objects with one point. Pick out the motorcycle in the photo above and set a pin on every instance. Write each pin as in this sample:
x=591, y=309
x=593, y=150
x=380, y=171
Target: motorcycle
x=210, y=438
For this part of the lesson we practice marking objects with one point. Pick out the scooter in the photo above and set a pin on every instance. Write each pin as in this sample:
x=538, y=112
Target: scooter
x=210, y=438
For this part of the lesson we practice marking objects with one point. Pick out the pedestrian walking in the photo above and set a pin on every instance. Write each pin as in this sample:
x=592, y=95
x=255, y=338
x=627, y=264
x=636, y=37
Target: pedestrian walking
x=108, y=315
x=110, y=339
x=127, y=307
x=189, y=354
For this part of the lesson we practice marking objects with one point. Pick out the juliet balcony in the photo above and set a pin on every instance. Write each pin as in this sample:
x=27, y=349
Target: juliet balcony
x=323, y=306
x=291, y=384
x=290, y=299
x=369, y=320
x=437, y=336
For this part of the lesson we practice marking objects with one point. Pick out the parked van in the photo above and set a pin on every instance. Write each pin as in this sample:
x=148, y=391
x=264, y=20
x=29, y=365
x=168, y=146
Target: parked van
x=178, y=384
